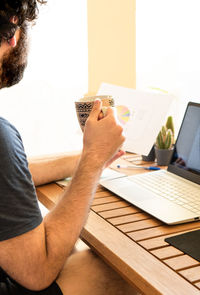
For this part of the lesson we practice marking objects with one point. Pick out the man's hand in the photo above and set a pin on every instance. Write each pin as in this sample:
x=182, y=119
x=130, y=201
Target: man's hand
x=102, y=138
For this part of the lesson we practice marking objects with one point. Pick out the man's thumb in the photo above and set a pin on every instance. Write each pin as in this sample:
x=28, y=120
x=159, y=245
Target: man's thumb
x=96, y=109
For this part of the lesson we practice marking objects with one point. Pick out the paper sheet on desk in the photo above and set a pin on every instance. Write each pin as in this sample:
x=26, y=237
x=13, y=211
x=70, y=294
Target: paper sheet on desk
x=107, y=173
x=142, y=114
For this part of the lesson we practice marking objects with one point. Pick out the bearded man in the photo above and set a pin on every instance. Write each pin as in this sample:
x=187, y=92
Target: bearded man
x=35, y=253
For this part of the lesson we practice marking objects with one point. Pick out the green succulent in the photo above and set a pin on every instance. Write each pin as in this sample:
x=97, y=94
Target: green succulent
x=164, y=139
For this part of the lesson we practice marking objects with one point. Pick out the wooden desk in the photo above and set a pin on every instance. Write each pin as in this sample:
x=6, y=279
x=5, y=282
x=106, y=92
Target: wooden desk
x=132, y=242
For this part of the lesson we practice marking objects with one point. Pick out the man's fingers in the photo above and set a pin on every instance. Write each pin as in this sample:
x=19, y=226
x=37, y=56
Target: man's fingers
x=101, y=115
x=96, y=112
x=96, y=109
x=109, y=111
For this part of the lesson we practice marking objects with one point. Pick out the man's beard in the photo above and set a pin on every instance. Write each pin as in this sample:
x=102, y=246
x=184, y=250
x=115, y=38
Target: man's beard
x=14, y=63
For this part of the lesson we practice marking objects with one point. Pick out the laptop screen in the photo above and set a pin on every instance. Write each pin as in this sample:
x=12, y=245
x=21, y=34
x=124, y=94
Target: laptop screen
x=186, y=157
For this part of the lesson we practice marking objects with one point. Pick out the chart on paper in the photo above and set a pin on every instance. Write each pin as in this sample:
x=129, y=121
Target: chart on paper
x=123, y=114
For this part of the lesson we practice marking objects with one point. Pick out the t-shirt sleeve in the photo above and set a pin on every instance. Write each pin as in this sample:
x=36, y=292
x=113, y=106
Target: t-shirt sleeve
x=19, y=210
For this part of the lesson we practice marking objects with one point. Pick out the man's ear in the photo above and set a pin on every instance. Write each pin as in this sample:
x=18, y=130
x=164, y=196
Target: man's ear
x=13, y=41
x=14, y=20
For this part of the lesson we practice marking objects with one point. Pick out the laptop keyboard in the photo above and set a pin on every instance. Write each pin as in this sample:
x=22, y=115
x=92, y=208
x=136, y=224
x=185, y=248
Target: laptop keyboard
x=171, y=188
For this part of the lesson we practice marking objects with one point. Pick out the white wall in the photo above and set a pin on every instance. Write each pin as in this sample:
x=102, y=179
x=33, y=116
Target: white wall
x=42, y=105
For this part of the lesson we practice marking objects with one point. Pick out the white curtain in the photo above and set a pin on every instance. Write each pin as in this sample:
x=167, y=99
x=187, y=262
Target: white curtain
x=168, y=49
x=42, y=105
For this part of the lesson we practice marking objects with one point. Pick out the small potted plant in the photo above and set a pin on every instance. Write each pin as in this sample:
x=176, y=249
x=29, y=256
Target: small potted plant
x=165, y=143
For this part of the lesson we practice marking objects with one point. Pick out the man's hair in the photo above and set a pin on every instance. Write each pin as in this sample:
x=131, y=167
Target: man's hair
x=24, y=10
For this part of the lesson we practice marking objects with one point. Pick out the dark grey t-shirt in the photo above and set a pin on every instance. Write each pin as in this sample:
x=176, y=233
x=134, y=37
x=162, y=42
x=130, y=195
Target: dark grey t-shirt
x=19, y=211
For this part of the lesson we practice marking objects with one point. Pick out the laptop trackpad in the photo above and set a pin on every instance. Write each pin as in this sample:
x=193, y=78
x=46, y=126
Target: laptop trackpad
x=127, y=190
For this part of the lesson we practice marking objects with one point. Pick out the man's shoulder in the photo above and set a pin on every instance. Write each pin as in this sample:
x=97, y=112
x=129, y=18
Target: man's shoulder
x=10, y=140
x=8, y=132
x=6, y=126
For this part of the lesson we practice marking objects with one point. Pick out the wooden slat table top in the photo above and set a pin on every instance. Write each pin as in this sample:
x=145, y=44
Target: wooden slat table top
x=132, y=242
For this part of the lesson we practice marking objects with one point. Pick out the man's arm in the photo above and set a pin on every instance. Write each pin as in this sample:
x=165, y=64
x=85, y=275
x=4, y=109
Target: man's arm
x=45, y=169
x=35, y=259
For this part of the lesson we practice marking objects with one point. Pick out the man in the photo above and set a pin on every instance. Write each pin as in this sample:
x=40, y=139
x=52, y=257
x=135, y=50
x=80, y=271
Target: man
x=35, y=253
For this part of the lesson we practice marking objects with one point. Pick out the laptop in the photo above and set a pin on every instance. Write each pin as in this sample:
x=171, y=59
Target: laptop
x=172, y=195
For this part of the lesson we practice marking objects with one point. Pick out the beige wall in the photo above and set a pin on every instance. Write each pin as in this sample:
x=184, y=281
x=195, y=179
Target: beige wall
x=111, y=43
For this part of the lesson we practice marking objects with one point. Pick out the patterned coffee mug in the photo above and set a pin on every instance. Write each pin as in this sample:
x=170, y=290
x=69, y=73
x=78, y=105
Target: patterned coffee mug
x=85, y=105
